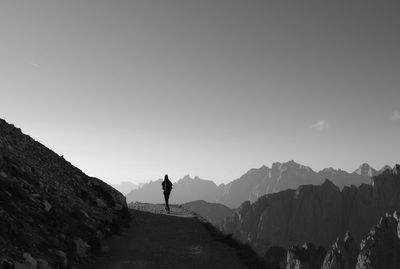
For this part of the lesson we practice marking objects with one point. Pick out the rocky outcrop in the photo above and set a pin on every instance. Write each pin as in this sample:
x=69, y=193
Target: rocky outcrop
x=381, y=247
x=317, y=214
x=275, y=257
x=342, y=255
x=306, y=256
x=51, y=214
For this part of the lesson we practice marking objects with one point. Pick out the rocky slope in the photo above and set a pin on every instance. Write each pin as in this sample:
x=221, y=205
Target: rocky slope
x=51, y=214
x=184, y=190
x=316, y=214
x=379, y=249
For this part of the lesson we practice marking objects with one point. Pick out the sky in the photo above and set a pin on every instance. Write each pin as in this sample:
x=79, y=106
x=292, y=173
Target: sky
x=132, y=90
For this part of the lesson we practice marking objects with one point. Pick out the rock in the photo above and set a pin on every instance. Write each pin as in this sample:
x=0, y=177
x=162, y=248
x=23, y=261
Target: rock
x=101, y=203
x=84, y=213
x=29, y=262
x=62, y=257
x=342, y=255
x=81, y=247
x=43, y=264
x=305, y=257
x=7, y=264
x=3, y=174
x=18, y=265
x=104, y=248
x=381, y=247
x=275, y=257
x=118, y=207
x=47, y=205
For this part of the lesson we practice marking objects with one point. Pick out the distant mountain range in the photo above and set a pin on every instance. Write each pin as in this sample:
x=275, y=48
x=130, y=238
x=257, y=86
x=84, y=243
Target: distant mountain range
x=125, y=187
x=253, y=184
x=184, y=190
x=321, y=214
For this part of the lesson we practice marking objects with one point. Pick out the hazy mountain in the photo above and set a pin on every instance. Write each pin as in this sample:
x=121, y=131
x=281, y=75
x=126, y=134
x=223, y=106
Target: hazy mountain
x=366, y=170
x=257, y=182
x=317, y=214
x=342, y=178
x=50, y=209
x=212, y=212
x=184, y=190
x=125, y=187
x=289, y=175
x=253, y=184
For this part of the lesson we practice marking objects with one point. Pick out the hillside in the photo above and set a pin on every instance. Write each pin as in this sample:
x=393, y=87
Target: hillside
x=212, y=212
x=51, y=213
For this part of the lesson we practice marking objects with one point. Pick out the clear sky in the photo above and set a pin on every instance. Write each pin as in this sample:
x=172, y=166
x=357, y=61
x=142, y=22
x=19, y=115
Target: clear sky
x=131, y=90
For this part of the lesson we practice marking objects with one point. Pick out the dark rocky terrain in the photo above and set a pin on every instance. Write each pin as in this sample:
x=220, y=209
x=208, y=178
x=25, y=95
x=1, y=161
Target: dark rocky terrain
x=52, y=215
x=212, y=212
x=321, y=214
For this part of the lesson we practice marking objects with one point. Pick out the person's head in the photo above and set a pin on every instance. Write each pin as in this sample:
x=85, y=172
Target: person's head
x=166, y=178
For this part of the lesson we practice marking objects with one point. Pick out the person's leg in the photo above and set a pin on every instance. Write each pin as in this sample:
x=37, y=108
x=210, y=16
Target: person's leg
x=167, y=200
x=166, y=196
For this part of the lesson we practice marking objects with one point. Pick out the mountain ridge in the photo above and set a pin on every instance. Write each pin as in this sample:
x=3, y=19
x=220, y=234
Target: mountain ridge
x=256, y=182
x=316, y=214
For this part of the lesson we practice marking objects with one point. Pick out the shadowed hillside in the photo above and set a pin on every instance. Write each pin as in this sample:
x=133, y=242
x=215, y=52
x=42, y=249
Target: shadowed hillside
x=51, y=213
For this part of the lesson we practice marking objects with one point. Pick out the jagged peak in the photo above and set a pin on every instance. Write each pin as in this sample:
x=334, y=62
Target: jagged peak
x=290, y=165
x=187, y=177
x=396, y=169
x=328, y=184
x=386, y=167
x=329, y=170
x=365, y=170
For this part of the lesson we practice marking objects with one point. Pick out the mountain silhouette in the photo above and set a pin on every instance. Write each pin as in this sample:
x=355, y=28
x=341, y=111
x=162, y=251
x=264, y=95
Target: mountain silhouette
x=252, y=185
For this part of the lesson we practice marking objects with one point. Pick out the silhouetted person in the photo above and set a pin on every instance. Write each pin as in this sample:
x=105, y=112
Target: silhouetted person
x=167, y=187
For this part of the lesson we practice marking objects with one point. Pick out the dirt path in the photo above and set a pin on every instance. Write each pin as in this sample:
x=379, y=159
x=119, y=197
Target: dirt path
x=166, y=241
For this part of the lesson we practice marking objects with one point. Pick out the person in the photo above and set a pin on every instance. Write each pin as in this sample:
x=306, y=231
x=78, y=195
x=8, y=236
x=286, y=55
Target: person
x=167, y=187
